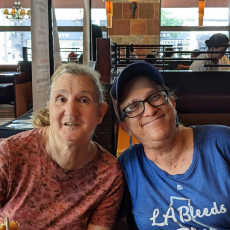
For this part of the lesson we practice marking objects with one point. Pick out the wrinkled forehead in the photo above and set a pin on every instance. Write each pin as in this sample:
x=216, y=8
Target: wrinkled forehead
x=73, y=83
x=138, y=83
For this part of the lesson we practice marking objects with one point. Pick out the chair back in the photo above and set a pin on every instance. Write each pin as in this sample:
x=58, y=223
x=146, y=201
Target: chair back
x=22, y=93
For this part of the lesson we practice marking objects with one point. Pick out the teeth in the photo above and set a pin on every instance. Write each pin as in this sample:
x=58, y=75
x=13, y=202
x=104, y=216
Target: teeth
x=69, y=123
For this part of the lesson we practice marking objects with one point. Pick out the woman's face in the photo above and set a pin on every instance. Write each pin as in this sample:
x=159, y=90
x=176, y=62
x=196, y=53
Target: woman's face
x=155, y=123
x=73, y=108
x=218, y=55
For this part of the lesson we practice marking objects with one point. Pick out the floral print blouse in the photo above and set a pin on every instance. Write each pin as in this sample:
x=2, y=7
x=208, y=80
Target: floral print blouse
x=39, y=194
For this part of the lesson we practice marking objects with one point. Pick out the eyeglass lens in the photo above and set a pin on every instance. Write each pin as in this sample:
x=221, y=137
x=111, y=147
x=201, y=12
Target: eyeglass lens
x=155, y=99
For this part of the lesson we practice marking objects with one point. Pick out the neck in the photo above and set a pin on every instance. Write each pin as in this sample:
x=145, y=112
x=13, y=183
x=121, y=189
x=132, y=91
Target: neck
x=215, y=61
x=68, y=156
x=174, y=155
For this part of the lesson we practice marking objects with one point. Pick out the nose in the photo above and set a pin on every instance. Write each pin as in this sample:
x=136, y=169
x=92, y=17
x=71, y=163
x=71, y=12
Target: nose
x=71, y=108
x=149, y=109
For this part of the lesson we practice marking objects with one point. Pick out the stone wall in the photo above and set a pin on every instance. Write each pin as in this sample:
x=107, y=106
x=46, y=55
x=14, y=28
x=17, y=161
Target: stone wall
x=142, y=29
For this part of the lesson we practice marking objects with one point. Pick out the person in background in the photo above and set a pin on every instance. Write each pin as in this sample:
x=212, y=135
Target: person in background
x=177, y=177
x=194, y=54
x=132, y=54
x=153, y=61
x=167, y=63
x=217, y=43
x=72, y=57
x=55, y=176
x=168, y=53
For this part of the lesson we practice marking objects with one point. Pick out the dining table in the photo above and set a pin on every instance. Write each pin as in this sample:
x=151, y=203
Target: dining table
x=7, y=77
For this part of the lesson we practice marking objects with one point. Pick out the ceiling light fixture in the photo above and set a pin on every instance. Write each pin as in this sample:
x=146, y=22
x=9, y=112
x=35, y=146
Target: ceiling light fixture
x=17, y=13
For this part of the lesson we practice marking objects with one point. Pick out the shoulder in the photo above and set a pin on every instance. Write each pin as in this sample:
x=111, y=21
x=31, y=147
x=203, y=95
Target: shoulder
x=225, y=59
x=213, y=134
x=23, y=135
x=213, y=141
x=19, y=140
x=212, y=129
x=131, y=156
x=108, y=161
x=197, y=63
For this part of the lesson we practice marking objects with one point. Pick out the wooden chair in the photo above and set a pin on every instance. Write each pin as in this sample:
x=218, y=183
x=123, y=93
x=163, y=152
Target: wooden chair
x=22, y=93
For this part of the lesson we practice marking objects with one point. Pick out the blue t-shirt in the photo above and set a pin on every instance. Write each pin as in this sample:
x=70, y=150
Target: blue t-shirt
x=197, y=199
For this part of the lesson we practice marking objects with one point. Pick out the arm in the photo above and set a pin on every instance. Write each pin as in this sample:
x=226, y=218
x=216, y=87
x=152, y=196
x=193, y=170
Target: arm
x=4, y=170
x=106, y=213
x=180, y=66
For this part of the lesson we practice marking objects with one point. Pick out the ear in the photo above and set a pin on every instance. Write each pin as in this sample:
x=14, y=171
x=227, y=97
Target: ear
x=124, y=126
x=48, y=105
x=173, y=102
x=102, y=110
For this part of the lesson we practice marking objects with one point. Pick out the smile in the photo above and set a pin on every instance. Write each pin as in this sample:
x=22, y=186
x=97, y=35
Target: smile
x=70, y=124
x=153, y=120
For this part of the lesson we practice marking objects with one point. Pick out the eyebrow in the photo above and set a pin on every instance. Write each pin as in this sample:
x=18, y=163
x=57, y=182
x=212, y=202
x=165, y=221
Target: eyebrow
x=65, y=91
x=135, y=100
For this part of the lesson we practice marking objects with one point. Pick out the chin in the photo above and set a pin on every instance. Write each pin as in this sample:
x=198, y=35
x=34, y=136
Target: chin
x=158, y=134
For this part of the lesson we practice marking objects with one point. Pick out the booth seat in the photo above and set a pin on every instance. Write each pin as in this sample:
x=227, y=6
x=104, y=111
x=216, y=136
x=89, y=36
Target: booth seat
x=203, y=97
x=22, y=93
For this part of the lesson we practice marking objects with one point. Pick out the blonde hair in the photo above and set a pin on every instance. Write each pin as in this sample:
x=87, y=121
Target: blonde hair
x=41, y=117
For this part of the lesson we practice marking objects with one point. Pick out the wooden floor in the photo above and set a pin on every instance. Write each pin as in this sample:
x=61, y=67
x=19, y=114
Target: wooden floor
x=6, y=113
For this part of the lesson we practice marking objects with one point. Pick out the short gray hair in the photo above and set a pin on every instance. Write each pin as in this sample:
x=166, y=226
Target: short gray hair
x=77, y=70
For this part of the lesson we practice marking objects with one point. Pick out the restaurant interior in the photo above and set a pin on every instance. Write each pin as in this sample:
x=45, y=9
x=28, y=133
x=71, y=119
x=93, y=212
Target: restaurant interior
x=121, y=32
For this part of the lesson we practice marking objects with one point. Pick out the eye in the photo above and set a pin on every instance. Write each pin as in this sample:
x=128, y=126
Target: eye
x=84, y=100
x=133, y=107
x=155, y=97
x=61, y=99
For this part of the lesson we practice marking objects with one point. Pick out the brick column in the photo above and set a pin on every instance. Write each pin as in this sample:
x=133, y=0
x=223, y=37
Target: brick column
x=143, y=29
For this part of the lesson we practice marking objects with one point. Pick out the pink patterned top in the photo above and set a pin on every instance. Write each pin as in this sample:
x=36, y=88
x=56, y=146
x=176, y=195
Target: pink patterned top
x=39, y=194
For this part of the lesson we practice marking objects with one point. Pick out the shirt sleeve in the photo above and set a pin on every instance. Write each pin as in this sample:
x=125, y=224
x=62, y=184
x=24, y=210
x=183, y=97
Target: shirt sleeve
x=4, y=170
x=226, y=62
x=106, y=213
x=126, y=204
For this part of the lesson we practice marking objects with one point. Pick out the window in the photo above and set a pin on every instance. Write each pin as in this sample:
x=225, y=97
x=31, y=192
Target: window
x=189, y=17
x=188, y=40
x=11, y=44
x=70, y=27
x=179, y=23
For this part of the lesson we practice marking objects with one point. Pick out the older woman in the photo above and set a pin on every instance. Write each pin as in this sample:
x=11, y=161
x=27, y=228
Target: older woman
x=55, y=176
x=177, y=177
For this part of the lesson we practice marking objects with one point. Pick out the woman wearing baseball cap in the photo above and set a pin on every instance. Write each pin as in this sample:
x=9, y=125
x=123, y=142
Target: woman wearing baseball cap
x=177, y=177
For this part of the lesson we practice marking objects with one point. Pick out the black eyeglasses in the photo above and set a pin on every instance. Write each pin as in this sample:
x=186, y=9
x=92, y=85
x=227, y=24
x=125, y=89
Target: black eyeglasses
x=138, y=107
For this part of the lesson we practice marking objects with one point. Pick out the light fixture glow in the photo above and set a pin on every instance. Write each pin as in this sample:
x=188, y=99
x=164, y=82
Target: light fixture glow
x=201, y=12
x=109, y=13
x=17, y=13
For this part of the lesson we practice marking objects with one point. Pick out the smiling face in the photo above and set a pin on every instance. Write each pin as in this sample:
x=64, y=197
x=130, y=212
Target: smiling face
x=74, y=109
x=155, y=123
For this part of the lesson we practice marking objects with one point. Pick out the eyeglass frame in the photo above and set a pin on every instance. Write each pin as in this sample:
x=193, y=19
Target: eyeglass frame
x=143, y=104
